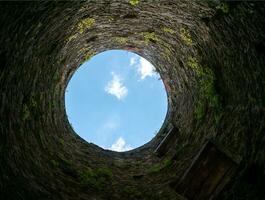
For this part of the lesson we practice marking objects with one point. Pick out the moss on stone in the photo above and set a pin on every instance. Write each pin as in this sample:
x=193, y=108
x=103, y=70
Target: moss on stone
x=33, y=54
x=193, y=63
x=207, y=95
x=166, y=53
x=185, y=36
x=154, y=169
x=33, y=102
x=110, y=19
x=25, y=112
x=85, y=24
x=89, y=55
x=54, y=163
x=159, y=166
x=121, y=40
x=150, y=37
x=61, y=141
x=223, y=7
x=168, y=30
x=134, y=2
x=72, y=37
x=51, y=105
x=96, y=179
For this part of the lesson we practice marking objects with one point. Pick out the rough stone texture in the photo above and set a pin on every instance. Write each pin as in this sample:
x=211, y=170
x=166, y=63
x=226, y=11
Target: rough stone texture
x=210, y=56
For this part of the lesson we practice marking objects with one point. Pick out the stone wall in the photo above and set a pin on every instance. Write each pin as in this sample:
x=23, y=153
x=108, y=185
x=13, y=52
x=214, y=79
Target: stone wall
x=210, y=55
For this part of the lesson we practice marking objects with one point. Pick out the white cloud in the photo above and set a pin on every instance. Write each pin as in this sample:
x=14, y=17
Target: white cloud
x=145, y=68
x=120, y=145
x=133, y=60
x=116, y=88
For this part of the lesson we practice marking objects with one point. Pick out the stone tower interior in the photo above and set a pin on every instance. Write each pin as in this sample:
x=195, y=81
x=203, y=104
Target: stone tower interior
x=210, y=55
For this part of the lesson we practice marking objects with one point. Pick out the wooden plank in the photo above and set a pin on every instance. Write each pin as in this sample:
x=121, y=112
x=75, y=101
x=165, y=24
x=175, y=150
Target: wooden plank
x=229, y=174
x=209, y=172
x=167, y=142
x=216, y=175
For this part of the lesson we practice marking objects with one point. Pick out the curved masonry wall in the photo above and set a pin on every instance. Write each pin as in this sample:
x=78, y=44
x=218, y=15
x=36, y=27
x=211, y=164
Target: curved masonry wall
x=210, y=56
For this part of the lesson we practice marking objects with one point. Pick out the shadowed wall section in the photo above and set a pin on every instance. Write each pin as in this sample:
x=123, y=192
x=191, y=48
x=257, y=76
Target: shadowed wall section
x=210, y=56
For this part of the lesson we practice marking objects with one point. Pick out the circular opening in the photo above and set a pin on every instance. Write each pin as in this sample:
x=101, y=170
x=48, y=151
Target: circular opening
x=116, y=100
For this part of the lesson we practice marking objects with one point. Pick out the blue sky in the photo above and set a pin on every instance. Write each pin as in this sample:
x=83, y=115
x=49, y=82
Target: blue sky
x=116, y=100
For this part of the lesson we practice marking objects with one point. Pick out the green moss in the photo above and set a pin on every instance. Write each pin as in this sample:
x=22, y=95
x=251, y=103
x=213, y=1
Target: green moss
x=121, y=40
x=54, y=163
x=89, y=55
x=155, y=168
x=199, y=110
x=72, y=37
x=85, y=24
x=33, y=102
x=25, y=113
x=61, y=141
x=185, y=36
x=96, y=179
x=51, y=105
x=150, y=37
x=168, y=30
x=106, y=172
x=167, y=50
x=223, y=7
x=159, y=166
x=207, y=96
x=193, y=63
x=110, y=19
x=134, y=2
x=207, y=89
x=167, y=162
x=217, y=117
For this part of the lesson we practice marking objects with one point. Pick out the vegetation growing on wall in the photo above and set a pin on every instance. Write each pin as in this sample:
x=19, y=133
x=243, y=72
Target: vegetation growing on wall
x=33, y=102
x=159, y=166
x=121, y=40
x=223, y=7
x=168, y=30
x=82, y=26
x=72, y=37
x=61, y=141
x=134, y=2
x=34, y=136
x=85, y=24
x=150, y=37
x=207, y=96
x=54, y=163
x=89, y=55
x=25, y=112
x=96, y=179
x=185, y=36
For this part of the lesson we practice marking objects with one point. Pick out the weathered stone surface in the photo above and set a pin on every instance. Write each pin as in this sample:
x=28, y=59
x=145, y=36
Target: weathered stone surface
x=209, y=54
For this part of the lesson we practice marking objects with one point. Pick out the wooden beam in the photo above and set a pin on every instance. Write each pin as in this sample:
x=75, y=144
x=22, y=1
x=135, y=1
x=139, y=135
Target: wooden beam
x=209, y=172
x=167, y=142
